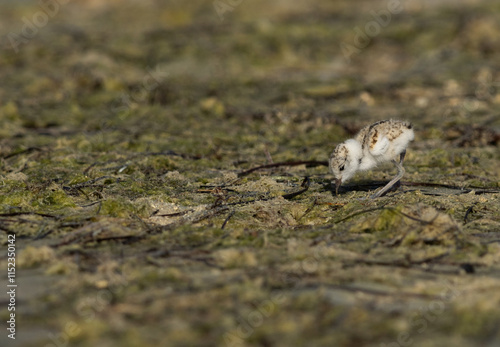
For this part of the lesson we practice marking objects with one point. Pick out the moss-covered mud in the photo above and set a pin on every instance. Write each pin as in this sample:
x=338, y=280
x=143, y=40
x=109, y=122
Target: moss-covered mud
x=124, y=126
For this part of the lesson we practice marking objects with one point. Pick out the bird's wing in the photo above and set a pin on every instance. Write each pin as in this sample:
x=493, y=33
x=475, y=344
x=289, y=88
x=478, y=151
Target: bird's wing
x=380, y=147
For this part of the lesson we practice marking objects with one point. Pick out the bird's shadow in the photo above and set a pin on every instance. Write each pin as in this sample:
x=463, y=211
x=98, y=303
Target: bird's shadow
x=364, y=186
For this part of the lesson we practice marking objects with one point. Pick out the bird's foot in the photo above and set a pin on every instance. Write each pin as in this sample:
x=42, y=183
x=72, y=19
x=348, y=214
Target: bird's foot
x=376, y=195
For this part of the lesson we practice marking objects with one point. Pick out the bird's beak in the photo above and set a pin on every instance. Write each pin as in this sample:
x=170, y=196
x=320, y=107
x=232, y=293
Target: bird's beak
x=338, y=182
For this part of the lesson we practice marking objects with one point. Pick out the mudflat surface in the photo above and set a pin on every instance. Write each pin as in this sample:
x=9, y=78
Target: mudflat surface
x=131, y=139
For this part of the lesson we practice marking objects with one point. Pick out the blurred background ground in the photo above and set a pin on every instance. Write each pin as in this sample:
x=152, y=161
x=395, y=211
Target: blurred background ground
x=125, y=127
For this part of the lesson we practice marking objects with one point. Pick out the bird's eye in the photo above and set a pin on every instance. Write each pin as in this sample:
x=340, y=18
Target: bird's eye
x=341, y=168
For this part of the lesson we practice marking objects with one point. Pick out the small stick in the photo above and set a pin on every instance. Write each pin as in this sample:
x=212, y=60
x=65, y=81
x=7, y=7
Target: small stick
x=305, y=184
x=27, y=150
x=469, y=210
x=227, y=220
x=288, y=163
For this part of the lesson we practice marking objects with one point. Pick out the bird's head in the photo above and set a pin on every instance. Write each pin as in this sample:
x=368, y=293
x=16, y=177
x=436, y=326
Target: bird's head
x=344, y=161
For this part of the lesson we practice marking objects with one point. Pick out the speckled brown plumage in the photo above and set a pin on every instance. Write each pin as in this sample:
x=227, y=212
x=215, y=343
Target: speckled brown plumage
x=369, y=135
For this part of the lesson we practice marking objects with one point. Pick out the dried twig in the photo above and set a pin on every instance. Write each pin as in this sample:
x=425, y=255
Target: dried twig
x=358, y=213
x=192, y=219
x=24, y=151
x=477, y=190
x=310, y=163
x=469, y=210
x=389, y=209
x=175, y=214
x=305, y=184
x=227, y=219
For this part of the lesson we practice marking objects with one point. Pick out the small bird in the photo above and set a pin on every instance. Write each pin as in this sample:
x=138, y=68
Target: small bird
x=374, y=144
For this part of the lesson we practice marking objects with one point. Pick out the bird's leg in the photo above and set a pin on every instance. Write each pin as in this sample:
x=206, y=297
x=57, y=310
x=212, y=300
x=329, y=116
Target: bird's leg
x=401, y=158
x=395, y=180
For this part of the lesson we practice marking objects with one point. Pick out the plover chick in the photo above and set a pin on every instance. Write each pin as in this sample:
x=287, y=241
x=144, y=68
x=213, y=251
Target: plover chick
x=374, y=144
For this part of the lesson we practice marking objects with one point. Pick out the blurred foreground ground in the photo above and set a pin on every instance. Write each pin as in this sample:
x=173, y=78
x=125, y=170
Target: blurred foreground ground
x=124, y=126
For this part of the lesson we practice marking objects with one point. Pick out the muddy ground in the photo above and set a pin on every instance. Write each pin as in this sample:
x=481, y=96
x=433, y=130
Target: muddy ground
x=128, y=131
